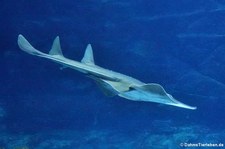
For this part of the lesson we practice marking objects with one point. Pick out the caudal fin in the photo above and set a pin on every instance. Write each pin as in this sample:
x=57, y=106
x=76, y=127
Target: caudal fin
x=27, y=47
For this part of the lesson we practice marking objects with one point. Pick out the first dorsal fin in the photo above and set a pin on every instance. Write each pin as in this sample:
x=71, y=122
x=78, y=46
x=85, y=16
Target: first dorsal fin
x=56, y=48
x=88, y=56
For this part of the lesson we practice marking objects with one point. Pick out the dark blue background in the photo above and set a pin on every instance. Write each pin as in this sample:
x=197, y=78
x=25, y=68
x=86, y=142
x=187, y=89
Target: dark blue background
x=178, y=44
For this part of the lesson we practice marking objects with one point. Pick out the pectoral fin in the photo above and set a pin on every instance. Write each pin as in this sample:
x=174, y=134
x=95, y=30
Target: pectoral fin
x=152, y=87
x=156, y=93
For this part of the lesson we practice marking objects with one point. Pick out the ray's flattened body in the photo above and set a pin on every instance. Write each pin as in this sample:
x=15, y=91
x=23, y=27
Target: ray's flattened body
x=110, y=82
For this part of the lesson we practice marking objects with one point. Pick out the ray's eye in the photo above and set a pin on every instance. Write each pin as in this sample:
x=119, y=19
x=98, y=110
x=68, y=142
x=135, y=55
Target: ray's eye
x=131, y=88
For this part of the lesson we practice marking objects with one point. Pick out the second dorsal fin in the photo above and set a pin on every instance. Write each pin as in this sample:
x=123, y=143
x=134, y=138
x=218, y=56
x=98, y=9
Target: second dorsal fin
x=88, y=56
x=56, y=48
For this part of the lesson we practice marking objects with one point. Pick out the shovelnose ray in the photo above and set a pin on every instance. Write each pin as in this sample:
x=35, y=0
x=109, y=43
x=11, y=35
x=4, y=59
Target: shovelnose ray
x=111, y=83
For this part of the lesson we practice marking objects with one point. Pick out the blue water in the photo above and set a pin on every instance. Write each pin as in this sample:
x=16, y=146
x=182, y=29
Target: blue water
x=179, y=44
